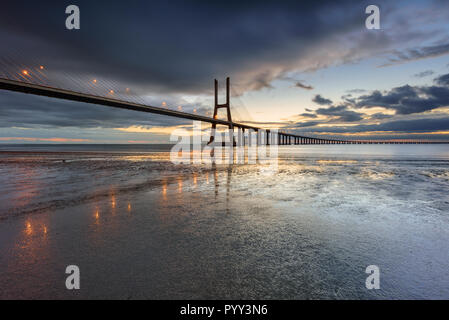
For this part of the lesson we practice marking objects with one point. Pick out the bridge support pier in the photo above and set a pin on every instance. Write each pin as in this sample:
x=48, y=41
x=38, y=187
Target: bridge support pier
x=218, y=106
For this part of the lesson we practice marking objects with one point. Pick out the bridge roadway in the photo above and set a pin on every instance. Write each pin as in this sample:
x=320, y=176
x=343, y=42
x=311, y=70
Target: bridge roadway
x=282, y=138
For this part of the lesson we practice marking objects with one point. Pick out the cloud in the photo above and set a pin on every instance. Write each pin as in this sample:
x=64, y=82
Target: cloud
x=170, y=49
x=28, y=111
x=380, y=116
x=443, y=80
x=417, y=54
x=424, y=74
x=308, y=115
x=180, y=47
x=403, y=100
x=318, y=99
x=409, y=99
x=399, y=126
x=356, y=91
x=333, y=114
x=307, y=124
x=340, y=113
x=303, y=86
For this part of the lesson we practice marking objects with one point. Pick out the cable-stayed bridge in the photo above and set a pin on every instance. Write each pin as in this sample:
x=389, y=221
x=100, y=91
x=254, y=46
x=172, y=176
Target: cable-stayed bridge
x=36, y=81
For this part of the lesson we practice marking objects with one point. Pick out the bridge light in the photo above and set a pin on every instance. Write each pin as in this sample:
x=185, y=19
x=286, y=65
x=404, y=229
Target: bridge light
x=25, y=72
x=94, y=81
x=179, y=108
x=127, y=89
x=41, y=67
x=194, y=110
x=164, y=104
x=111, y=91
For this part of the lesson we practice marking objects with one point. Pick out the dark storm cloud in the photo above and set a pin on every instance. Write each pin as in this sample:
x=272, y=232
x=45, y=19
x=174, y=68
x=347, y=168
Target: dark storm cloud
x=178, y=46
x=409, y=99
x=157, y=47
x=321, y=101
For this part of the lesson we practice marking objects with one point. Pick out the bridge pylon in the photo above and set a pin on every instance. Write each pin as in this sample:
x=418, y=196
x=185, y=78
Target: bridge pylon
x=217, y=106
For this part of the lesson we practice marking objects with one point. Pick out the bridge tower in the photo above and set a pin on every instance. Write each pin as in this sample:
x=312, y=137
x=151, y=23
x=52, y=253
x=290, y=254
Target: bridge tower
x=217, y=106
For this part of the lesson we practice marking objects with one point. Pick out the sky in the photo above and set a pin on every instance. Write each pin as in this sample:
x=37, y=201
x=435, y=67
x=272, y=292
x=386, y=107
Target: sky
x=306, y=67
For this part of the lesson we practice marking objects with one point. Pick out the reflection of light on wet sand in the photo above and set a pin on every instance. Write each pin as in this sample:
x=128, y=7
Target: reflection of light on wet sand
x=179, y=185
x=35, y=228
x=129, y=207
x=113, y=202
x=207, y=178
x=97, y=216
x=194, y=179
x=28, y=229
x=164, y=191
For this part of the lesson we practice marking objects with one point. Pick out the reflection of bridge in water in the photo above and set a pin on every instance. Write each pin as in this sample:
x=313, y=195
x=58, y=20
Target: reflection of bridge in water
x=33, y=82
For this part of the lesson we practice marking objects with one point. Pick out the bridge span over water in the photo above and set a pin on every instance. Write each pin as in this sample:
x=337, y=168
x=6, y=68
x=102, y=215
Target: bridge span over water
x=268, y=136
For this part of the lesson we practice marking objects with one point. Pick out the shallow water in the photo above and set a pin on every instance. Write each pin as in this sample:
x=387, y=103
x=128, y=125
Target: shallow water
x=141, y=227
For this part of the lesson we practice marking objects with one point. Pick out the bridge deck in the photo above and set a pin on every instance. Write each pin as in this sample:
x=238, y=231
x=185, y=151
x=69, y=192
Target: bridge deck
x=284, y=138
x=40, y=90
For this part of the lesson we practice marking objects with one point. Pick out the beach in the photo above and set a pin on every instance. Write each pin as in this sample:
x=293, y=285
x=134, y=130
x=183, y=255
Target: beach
x=140, y=227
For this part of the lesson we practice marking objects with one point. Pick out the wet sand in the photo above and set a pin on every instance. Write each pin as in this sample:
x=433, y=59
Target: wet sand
x=143, y=228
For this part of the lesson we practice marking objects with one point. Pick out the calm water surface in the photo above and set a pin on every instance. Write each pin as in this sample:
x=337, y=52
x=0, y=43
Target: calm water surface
x=141, y=227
